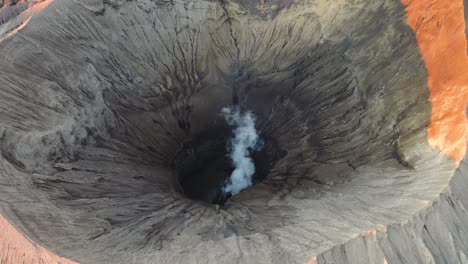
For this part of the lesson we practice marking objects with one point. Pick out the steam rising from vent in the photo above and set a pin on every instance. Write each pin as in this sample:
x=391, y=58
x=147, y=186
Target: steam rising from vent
x=245, y=140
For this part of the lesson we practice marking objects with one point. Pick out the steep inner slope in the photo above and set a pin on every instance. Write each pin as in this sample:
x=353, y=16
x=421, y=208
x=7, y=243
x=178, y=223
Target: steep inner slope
x=100, y=100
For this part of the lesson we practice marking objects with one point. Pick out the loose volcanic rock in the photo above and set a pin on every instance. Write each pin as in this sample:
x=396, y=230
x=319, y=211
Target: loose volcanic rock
x=110, y=113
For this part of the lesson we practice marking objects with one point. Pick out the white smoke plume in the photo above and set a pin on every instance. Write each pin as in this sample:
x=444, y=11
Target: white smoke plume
x=244, y=141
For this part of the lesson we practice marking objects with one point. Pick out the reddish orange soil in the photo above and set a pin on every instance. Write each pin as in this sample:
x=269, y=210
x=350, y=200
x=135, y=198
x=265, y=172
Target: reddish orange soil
x=440, y=31
x=15, y=248
x=33, y=9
